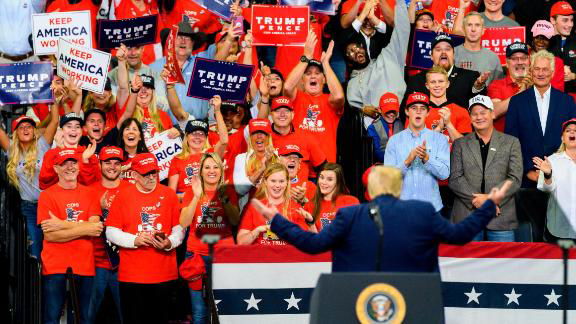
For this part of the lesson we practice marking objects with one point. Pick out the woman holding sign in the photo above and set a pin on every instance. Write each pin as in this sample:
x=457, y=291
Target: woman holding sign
x=152, y=119
x=209, y=208
x=274, y=191
x=25, y=152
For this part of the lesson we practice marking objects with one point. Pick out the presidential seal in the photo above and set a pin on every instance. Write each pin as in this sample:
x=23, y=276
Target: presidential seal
x=380, y=303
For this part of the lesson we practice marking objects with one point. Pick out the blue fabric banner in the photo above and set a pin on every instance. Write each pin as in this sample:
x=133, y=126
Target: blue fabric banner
x=319, y=6
x=218, y=7
x=230, y=81
x=25, y=83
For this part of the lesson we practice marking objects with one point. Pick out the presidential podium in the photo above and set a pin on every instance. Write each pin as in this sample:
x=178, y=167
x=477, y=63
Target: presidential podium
x=377, y=297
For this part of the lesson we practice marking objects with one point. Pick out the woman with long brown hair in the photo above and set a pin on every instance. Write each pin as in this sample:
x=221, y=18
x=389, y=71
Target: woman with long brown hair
x=274, y=191
x=331, y=195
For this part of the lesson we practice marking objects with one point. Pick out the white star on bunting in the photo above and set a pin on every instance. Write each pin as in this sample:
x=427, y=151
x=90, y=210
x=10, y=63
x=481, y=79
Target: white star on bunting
x=216, y=302
x=293, y=302
x=252, y=302
x=473, y=296
x=553, y=298
x=513, y=297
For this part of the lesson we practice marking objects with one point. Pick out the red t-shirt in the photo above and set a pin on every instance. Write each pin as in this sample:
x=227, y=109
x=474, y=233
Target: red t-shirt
x=73, y=205
x=125, y=9
x=310, y=186
x=458, y=116
x=445, y=12
x=134, y=212
x=316, y=117
x=252, y=219
x=312, y=154
x=502, y=89
x=236, y=144
x=207, y=21
x=65, y=6
x=89, y=172
x=185, y=169
x=101, y=258
x=149, y=128
x=127, y=173
x=209, y=218
x=328, y=209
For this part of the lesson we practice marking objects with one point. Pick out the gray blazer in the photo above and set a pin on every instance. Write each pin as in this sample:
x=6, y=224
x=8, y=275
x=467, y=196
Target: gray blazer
x=504, y=162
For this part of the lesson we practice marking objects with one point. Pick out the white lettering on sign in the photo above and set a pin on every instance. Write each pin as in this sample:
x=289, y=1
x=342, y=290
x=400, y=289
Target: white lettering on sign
x=165, y=149
x=129, y=32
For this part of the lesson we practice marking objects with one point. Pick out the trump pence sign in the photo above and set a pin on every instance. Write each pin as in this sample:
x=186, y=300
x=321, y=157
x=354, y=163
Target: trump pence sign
x=230, y=81
x=280, y=25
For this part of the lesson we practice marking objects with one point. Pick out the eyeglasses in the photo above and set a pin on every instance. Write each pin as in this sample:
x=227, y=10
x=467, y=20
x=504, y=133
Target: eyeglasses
x=25, y=127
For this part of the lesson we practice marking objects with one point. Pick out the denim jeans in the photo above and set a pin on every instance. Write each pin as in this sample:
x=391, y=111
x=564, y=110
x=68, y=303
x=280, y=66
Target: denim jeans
x=199, y=308
x=104, y=278
x=54, y=296
x=495, y=236
x=35, y=236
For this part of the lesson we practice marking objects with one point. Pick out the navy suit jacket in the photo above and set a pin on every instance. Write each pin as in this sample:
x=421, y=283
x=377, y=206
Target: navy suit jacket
x=523, y=122
x=412, y=232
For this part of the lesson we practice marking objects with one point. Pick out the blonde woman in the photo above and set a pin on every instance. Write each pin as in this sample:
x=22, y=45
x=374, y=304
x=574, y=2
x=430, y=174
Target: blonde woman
x=274, y=191
x=249, y=166
x=209, y=207
x=25, y=154
x=558, y=176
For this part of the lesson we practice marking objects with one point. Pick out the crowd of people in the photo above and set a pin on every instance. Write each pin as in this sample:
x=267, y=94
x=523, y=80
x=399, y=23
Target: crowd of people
x=90, y=189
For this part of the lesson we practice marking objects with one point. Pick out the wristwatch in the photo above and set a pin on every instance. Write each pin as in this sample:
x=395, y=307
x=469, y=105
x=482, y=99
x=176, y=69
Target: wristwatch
x=304, y=59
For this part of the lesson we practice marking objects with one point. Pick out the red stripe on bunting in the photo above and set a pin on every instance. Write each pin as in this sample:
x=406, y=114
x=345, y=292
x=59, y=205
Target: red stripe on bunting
x=265, y=254
x=503, y=250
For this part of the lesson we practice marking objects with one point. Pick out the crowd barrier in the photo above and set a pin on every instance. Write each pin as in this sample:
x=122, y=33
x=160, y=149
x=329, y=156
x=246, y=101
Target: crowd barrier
x=482, y=282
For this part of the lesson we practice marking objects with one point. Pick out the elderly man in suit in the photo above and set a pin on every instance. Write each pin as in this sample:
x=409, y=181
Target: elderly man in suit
x=535, y=117
x=481, y=160
x=412, y=229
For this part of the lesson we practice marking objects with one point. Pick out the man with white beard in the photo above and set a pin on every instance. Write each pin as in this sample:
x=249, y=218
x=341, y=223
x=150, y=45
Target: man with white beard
x=516, y=81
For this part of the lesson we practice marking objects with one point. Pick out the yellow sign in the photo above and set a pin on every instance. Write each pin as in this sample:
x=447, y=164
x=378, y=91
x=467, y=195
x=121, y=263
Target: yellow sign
x=380, y=304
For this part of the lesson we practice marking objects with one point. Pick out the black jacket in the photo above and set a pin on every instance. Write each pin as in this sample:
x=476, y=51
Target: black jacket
x=568, y=56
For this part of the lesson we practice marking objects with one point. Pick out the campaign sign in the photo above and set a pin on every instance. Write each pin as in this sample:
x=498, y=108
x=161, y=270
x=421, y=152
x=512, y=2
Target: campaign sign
x=497, y=39
x=130, y=32
x=87, y=65
x=319, y=6
x=165, y=149
x=25, y=83
x=47, y=28
x=175, y=72
x=218, y=7
x=230, y=81
x=422, y=45
x=280, y=25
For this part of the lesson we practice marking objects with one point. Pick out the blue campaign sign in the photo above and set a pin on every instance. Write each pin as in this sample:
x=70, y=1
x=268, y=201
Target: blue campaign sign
x=130, y=32
x=26, y=83
x=319, y=6
x=422, y=45
x=230, y=81
x=217, y=7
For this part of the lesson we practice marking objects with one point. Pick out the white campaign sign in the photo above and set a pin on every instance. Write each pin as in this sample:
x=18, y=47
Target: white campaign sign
x=73, y=26
x=165, y=149
x=87, y=65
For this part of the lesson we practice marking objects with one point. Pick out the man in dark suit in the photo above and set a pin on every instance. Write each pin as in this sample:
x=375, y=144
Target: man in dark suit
x=412, y=230
x=464, y=84
x=481, y=160
x=535, y=117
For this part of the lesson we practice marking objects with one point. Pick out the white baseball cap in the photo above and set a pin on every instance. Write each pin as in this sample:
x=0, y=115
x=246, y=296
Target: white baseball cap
x=481, y=100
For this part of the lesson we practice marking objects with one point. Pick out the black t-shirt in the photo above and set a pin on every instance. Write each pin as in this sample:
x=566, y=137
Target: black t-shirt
x=110, y=139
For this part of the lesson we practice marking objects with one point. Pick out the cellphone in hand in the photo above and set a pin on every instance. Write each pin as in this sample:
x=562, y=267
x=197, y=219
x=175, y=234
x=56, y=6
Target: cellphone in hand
x=238, y=23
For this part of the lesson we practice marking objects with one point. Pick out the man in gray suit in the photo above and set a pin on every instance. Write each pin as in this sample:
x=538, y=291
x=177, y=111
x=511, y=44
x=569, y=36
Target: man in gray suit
x=482, y=160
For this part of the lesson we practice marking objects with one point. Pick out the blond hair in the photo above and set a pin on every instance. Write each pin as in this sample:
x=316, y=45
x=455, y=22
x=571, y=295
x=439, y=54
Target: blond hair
x=152, y=110
x=262, y=191
x=90, y=104
x=253, y=163
x=220, y=164
x=384, y=180
x=437, y=69
x=543, y=54
x=186, y=152
x=17, y=152
x=473, y=14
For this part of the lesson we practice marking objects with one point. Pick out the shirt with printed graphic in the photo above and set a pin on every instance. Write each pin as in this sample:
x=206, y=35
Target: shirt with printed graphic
x=328, y=209
x=185, y=169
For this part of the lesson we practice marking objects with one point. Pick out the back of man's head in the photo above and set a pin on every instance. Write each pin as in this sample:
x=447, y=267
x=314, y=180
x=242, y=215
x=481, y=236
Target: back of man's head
x=384, y=180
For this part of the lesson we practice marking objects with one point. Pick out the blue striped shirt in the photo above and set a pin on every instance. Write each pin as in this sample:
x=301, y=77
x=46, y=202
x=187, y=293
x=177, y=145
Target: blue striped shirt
x=420, y=179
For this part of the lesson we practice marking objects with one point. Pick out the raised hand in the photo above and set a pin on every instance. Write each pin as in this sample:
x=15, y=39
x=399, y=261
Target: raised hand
x=542, y=165
x=325, y=58
x=89, y=151
x=310, y=45
x=267, y=212
x=196, y=185
x=121, y=53
x=216, y=102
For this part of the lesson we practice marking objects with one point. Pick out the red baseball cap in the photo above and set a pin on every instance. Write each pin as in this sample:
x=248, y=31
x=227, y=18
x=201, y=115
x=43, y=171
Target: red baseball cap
x=290, y=149
x=144, y=163
x=389, y=102
x=260, y=125
x=568, y=122
x=417, y=97
x=111, y=152
x=561, y=8
x=22, y=119
x=365, y=180
x=281, y=102
x=65, y=154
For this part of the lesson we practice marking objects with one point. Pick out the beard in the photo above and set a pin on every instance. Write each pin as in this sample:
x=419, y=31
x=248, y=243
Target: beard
x=359, y=66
